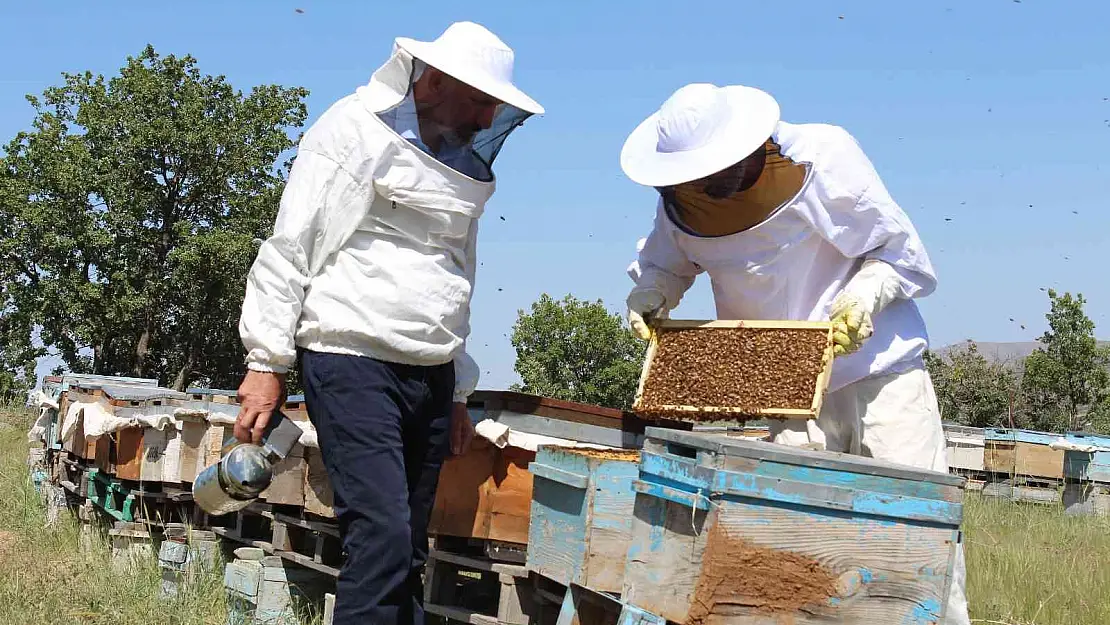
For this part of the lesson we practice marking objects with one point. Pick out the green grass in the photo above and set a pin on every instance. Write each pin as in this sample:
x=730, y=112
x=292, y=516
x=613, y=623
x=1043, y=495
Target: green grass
x=1026, y=564
x=1032, y=564
x=45, y=578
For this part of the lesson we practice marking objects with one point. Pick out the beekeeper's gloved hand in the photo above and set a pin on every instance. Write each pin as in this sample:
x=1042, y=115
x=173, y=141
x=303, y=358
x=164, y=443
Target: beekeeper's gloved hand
x=851, y=324
x=644, y=305
x=868, y=292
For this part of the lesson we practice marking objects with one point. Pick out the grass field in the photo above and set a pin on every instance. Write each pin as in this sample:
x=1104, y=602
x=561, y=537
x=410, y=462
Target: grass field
x=1026, y=565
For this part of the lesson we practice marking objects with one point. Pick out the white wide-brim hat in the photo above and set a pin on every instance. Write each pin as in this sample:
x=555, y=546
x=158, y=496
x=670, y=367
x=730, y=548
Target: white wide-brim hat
x=474, y=55
x=700, y=130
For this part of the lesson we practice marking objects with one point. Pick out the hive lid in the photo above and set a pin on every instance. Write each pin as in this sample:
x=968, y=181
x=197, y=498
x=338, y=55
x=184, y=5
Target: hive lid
x=759, y=450
x=140, y=393
x=90, y=379
x=1019, y=436
x=210, y=391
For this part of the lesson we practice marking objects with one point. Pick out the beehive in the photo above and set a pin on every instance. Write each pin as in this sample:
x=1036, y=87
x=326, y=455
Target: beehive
x=734, y=532
x=736, y=370
x=581, y=522
x=1025, y=453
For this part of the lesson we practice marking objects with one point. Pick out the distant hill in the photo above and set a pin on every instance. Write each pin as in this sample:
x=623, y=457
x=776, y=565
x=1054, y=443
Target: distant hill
x=1003, y=352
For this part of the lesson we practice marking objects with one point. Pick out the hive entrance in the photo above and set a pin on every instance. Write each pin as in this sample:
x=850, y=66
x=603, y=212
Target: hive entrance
x=735, y=370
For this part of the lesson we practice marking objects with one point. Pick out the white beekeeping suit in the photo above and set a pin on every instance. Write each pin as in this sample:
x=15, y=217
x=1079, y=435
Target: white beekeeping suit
x=375, y=208
x=791, y=222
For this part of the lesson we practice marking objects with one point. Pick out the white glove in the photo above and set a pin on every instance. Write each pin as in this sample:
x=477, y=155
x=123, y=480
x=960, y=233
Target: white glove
x=644, y=304
x=868, y=292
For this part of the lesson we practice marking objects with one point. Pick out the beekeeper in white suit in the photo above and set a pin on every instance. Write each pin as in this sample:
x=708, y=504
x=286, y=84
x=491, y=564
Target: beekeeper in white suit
x=368, y=279
x=791, y=221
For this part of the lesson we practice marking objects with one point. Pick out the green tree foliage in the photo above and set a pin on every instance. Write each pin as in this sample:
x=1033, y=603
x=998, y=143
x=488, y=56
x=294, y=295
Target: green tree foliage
x=1066, y=383
x=972, y=389
x=128, y=214
x=576, y=350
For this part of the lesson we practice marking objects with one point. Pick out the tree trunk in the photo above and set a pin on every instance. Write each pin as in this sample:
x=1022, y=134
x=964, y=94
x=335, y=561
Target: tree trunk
x=142, y=349
x=186, y=371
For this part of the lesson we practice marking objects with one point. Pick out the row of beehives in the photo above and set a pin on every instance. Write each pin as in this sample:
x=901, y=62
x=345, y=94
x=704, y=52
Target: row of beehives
x=692, y=527
x=700, y=528
x=1041, y=455
x=134, y=430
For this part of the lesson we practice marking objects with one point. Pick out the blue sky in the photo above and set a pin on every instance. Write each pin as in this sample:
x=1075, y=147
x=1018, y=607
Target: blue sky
x=993, y=114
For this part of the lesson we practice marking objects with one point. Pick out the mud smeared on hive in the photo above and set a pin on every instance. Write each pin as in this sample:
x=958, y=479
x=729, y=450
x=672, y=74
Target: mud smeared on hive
x=733, y=372
x=735, y=572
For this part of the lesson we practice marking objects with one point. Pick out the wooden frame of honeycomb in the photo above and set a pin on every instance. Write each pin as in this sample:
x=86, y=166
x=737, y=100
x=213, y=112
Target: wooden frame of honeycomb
x=718, y=369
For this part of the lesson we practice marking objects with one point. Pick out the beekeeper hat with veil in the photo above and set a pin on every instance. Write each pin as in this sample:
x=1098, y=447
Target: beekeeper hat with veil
x=462, y=125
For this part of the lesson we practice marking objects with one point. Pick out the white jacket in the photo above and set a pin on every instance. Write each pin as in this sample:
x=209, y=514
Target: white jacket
x=373, y=250
x=793, y=264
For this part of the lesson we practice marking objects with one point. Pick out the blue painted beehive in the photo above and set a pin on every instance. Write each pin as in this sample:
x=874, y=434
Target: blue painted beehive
x=1092, y=466
x=581, y=516
x=734, y=531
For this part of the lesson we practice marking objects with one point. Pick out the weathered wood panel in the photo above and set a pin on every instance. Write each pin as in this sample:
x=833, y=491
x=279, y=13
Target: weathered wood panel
x=129, y=453
x=193, y=435
x=155, y=444
x=581, y=517
x=287, y=485
x=318, y=496
x=485, y=493
x=509, y=494
x=461, y=505
x=1021, y=458
x=611, y=522
x=882, y=572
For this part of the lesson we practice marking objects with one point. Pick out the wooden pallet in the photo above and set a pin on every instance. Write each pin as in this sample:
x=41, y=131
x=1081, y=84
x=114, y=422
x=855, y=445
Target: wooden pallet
x=1023, y=493
x=282, y=532
x=474, y=589
x=575, y=605
x=774, y=412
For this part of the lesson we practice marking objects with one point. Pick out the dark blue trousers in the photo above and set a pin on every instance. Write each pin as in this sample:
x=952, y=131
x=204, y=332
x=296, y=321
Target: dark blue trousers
x=384, y=433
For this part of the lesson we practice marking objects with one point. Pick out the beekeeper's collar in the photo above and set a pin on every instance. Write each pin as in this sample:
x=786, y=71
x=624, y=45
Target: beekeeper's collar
x=471, y=54
x=700, y=130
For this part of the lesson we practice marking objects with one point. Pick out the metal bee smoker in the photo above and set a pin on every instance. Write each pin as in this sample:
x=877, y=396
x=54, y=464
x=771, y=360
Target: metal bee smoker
x=245, y=469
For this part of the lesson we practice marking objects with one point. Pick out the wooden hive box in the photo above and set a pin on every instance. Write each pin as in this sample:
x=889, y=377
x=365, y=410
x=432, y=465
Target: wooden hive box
x=735, y=370
x=191, y=413
x=729, y=531
x=1091, y=466
x=288, y=484
x=964, y=446
x=487, y=493
x=99, y=451
x=203, y=442
x=143, y=453
x=1024, y=453
x=581, y=518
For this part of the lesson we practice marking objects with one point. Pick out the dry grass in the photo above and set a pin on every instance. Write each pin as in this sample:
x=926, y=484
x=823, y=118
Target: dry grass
x=1026, y=564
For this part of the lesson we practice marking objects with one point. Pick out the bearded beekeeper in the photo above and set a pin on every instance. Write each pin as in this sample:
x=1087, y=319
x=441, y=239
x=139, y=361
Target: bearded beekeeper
x=366, y=286
x=791, y=222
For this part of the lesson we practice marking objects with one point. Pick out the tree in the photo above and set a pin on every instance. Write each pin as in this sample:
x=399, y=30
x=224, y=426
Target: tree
x=132, y=206
x=1069, y=376
x=577, y=351
x=972, y=389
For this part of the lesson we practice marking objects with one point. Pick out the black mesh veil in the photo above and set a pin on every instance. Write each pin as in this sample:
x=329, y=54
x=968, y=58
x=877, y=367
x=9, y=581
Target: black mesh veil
x=473, y=158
